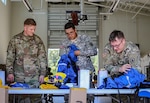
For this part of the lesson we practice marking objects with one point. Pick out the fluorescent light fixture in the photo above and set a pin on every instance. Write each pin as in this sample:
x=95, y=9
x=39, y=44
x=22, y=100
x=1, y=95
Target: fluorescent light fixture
x=95, y=0
x=15, y=0
x=105, y=13
x=54, y=0
x=28, y=6
x=114, y=6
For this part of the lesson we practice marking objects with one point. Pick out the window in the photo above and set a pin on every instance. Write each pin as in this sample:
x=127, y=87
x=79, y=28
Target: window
x=95, y=61
x=53, y=58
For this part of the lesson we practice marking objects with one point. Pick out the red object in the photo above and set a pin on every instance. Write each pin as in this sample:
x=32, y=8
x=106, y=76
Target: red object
x=74, y=17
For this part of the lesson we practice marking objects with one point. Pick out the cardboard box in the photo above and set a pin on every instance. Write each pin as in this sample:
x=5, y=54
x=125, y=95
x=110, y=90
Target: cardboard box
x=3, y=95
x=78, y=95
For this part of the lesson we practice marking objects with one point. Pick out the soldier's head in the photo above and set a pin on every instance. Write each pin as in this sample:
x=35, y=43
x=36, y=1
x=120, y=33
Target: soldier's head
x=70, y=31
x=29, y=27
x=117, y=40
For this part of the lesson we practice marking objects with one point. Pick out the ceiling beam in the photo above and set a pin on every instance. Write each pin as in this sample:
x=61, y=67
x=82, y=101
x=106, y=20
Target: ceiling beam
x=28, y=5
x=140, y=9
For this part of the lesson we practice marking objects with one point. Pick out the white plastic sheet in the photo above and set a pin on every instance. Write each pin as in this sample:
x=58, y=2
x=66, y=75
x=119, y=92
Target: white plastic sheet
x=84, y=79
x=101, y=75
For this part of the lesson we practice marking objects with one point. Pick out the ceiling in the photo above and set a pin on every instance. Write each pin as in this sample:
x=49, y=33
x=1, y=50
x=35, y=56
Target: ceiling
x=137, y=7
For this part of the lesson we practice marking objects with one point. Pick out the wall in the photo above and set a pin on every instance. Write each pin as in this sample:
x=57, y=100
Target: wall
x=20, y=13
x=143, y=31
x=120, y=21
x=4, y=30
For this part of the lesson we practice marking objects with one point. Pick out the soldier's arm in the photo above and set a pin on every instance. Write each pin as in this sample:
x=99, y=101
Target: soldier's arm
x=90, y=49
x=62, y=48
x=108, y=61
x=42, y=58
x=10, y=59
x=134, y=59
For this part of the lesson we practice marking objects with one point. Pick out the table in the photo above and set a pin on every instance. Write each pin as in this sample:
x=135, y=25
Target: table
x=62, y=92
x=66, y=91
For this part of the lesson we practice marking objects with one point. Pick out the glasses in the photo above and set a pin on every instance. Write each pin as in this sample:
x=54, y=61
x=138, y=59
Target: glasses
x=117, y=46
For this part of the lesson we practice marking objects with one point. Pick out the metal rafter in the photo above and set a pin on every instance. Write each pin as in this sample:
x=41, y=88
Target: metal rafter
x=131, y=7
x=140, y=9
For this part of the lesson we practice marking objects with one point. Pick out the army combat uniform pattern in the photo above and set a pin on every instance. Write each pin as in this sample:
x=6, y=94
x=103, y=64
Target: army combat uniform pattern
x=113, y=61
x=86, y=47
x=26, y=59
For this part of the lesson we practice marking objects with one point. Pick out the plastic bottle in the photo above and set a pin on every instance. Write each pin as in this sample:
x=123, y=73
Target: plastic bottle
x=102, y=74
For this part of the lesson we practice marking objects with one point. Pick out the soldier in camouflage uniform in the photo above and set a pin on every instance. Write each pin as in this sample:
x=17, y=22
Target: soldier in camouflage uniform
x=26, y=57
x=83, y=43
x=120, y=55
x=85, y=46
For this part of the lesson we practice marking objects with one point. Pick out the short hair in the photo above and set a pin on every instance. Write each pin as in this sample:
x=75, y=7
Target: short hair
x=30, y=21
x=69, y=25
x=116, y=34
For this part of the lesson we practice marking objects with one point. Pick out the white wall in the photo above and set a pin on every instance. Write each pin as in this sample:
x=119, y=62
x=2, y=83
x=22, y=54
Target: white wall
x=4, y=29
x=143, y=31
x=20, y=13
x=120, y=21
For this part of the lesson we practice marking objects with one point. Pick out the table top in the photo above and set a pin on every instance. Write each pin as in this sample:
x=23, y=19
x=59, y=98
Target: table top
x=66, y=91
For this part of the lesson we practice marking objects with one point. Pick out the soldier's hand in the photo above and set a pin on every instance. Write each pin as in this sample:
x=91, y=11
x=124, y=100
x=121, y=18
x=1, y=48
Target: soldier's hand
x=125, y=68
x=77, y=52
x=41, y=79
x=10, y=78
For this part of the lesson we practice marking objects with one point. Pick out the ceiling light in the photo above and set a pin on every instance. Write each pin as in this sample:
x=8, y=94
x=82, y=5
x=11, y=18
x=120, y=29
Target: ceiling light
x=28, y=6
x=95, y=0
x=53, y=0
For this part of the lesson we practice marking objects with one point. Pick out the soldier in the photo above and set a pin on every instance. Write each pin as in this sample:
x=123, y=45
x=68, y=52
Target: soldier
x=86, y=49
x=120, y=55
x=83, y=43
x=26, y=57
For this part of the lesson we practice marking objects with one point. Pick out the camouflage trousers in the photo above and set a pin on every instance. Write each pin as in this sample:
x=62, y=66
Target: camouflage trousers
x=24, y=98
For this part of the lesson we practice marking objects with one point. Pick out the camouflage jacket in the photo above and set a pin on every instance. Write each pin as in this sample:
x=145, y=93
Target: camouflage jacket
x=26, y=56
x=113, y=61
x=86, y=47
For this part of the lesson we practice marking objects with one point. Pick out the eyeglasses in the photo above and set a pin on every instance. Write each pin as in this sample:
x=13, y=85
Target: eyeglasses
x=117, y=46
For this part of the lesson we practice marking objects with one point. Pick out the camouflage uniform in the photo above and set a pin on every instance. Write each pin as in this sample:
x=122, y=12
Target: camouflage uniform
x=86, y=47
x=113, y=61
x=26, y=59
